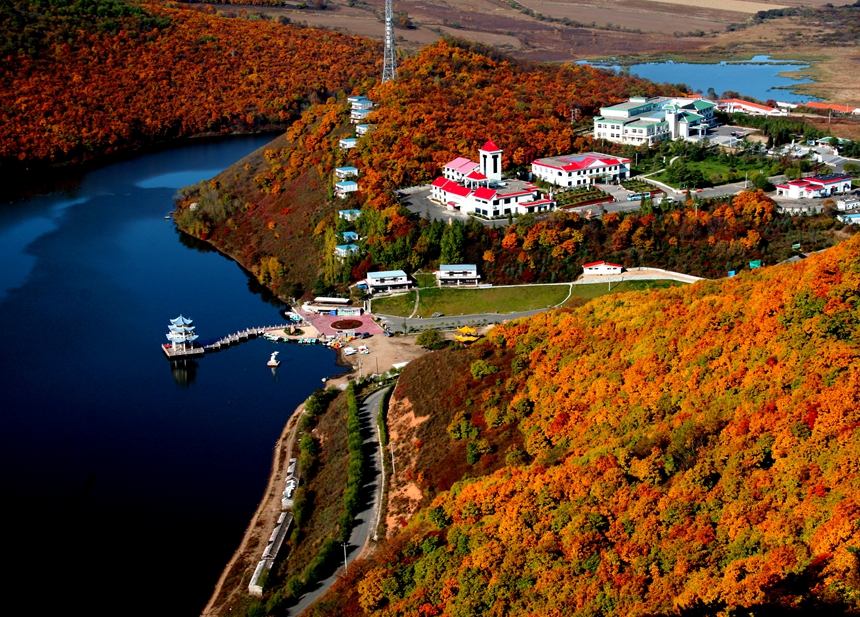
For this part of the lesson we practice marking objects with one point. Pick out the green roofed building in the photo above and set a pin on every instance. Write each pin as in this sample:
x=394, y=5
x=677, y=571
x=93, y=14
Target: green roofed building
x=652, y=120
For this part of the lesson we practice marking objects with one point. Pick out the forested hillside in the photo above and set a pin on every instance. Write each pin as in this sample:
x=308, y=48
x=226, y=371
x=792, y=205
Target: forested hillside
x=687, y=451
x=83, y=78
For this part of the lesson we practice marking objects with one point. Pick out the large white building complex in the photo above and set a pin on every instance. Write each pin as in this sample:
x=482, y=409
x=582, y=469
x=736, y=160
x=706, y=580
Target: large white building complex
x=651, y=120
x=580, y=169
x=478, y=188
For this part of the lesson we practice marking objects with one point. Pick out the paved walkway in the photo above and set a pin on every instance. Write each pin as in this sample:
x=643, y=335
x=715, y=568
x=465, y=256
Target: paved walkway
x=367, y=518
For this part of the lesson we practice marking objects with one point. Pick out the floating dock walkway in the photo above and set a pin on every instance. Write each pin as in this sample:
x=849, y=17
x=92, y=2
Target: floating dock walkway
x=242, y=335
x=218, y=344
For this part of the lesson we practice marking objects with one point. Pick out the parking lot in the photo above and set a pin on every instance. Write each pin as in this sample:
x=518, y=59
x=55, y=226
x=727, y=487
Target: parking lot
x=419, y=202
x=727, y=135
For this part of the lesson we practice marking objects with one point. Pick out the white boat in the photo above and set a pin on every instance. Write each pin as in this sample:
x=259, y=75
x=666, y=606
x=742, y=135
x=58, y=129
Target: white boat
x=363, y=349
x=273, y=361
x=348, y=351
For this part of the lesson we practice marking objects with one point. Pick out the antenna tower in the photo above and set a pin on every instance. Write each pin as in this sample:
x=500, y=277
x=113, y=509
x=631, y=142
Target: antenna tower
x=389, y=66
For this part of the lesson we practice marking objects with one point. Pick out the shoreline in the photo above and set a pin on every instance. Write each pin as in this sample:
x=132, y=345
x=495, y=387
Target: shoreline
x=283, y=448
x=241, y=565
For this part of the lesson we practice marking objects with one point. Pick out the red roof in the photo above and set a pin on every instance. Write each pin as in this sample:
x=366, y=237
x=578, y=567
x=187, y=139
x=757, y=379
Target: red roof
x=456, y=189
x=476, y=175
x=815, y=105
x=440, y=182
x=484, y=193
x=490, y=147
x=601, y=263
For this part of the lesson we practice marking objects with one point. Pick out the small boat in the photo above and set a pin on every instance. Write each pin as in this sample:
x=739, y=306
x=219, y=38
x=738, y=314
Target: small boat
x=348, y=351
x=273, y=361
x=363, y=349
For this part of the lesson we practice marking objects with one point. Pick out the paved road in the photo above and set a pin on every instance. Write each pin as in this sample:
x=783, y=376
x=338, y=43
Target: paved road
x=366, y=519
x=399, y=324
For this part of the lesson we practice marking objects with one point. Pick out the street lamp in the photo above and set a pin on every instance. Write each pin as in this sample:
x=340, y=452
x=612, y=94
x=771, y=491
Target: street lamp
x=345, y=544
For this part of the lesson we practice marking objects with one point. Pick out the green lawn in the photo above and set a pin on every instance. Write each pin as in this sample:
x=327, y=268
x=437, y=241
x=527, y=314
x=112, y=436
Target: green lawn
x=426, y=280
x=454, y=302
x=394, y=305
x=709, y=167
x=595, y=290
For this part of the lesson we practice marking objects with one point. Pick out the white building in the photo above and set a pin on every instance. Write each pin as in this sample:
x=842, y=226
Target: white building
x=359, y=102
x=849, y=219
x=848, y=204
x=342, y=189
x=358, y=116
x=478, y=188
x=388, y=280
x=651, y=120
x=732, y=106
x=345, y=250
x=343, y=173
x=602, y=267
x=457, y=275
x=815, y=186
x=458, y=169
x=348, y=142
x=580, y=169
x=364, y=129
x=349, y=215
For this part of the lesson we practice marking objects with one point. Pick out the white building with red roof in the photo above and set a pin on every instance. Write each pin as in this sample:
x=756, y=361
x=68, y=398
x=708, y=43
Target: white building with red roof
x=580, y=169
x=478, y=188
x=732, y=106
x=459, y=168
x=815, y=186
x=601, y=267
x=833, y=107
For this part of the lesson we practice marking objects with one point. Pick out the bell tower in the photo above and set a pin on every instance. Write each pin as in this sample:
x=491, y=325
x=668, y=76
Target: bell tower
x=490, y=157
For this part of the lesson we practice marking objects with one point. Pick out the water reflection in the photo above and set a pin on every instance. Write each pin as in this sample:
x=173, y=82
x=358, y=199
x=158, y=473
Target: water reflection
x=194, y=243
x=184, y=372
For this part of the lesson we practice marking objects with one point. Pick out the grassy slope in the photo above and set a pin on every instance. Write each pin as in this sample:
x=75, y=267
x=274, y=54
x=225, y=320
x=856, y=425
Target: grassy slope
x=502, y=300
x=695, y=448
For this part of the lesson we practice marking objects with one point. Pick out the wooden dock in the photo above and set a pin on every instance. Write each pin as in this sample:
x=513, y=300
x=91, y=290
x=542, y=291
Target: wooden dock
x=242, y=335
x=178, y=354
x=221, y=343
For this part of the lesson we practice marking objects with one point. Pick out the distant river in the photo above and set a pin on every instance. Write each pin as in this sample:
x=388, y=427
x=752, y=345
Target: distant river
x=758, y=77
x=127, y=485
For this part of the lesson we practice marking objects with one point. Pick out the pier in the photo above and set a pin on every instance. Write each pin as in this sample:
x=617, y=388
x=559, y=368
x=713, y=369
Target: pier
x=184, y=344
x=241, y=335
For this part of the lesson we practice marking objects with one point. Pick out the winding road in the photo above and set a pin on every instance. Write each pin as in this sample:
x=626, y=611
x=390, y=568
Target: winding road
x=367, y=518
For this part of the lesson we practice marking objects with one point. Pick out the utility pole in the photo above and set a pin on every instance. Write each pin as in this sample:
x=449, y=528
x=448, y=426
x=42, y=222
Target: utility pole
x=389, y=60
x=344, y=556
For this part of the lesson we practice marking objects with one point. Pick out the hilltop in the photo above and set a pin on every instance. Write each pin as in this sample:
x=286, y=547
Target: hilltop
x=84, y=80
x=275, y=212
x=687, y=451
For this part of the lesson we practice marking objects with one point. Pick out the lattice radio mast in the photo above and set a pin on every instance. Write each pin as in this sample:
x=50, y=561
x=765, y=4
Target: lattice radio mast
x=389, y=65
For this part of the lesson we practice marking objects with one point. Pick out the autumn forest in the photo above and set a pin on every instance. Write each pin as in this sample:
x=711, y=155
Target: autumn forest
x=687, y=451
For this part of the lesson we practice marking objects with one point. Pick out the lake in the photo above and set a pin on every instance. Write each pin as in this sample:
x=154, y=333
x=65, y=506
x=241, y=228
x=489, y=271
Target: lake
x=758, y=77
x=127, y=482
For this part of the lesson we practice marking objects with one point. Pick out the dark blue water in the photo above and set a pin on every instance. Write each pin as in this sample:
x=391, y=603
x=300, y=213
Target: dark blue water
x=127, y=483
x=758, y=77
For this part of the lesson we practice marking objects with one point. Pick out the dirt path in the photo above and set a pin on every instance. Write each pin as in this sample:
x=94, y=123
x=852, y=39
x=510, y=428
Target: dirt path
x=232, y=585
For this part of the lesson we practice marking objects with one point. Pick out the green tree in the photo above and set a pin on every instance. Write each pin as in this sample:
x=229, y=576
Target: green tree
x=430, y=339
x=452, y=244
